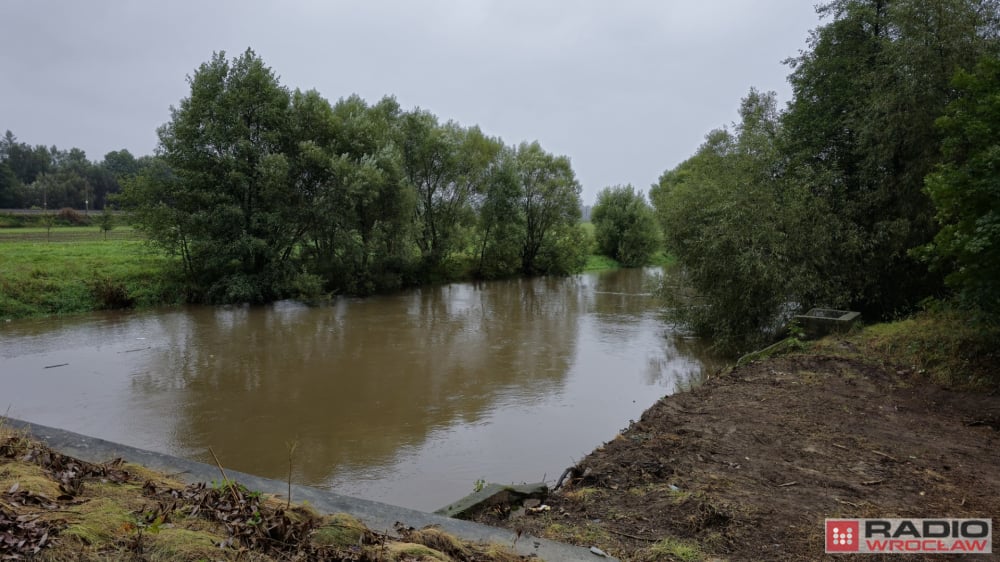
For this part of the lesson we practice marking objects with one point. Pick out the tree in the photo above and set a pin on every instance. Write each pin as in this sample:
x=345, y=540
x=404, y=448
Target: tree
x=121, y=164
x=59, y=189
x=10, y=188
x=48, y=220
x=860, y=131
x=550, y=205
x=500, y=228
x=222, y=197
x=368, y=203
x=106, y=222
x=263, y=193
x=624, y=226
x=7, y=143
x=27, y=162
x=965, y=189
x=751, y=244
x=446, y=165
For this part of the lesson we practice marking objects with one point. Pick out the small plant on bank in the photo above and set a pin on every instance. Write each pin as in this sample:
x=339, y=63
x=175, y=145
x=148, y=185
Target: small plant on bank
x=48, y=220
x=106, y=222
x=796, y=331
x=111, y=294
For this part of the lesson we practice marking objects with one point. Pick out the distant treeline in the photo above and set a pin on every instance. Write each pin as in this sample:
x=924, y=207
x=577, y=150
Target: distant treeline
x=263, y=193
x=877, y=188
x=41, y=177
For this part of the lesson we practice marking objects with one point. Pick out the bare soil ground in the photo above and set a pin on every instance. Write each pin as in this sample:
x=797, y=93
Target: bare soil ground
x=748, y=465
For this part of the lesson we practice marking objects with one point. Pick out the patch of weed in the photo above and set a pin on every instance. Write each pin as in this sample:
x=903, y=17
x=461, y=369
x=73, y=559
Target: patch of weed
x=681, y=550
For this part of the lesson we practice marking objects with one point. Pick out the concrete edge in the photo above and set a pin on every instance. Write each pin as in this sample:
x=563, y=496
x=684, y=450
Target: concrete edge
x=376, y=515
x=489, y=496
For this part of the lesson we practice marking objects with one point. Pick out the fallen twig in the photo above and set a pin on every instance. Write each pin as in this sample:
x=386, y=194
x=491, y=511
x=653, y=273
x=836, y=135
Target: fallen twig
x=638, y=538
x=291, y=452
x=786, y=484
x=886, y=455
x=225, y=479
x=841, y=447
x=54, y=366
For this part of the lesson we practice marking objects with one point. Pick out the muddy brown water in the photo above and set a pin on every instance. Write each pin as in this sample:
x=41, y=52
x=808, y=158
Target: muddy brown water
x=408, y=398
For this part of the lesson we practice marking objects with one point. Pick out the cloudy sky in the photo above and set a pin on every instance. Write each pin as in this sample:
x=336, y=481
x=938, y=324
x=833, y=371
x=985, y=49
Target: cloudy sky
x=626, y=89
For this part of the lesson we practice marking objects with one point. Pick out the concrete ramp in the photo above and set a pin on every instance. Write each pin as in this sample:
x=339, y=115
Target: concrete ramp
x=377, y=516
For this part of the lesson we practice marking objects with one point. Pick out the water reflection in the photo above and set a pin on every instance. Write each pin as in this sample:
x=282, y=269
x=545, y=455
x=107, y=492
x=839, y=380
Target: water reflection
x=356, y=382
x=407, y=398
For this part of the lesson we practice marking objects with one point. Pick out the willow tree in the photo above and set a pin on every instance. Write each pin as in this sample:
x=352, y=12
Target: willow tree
x=751, y=244
x=549, y=202
x=867, y=92
x=965, y=189
x=447, y=166
x=222, y=197
x=624, y=226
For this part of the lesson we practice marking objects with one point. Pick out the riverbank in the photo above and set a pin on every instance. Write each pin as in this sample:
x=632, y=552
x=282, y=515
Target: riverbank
x=74, y=269
x=59, y=507
x=899, y=420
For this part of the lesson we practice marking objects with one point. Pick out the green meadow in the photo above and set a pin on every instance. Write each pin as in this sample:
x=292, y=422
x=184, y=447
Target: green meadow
x=40, y=278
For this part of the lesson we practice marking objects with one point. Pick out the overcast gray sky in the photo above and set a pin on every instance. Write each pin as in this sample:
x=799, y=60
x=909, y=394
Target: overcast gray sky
x=626, y=89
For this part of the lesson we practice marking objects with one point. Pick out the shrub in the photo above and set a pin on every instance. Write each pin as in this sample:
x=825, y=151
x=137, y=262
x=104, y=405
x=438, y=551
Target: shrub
x=70, y=216
x=111, y=294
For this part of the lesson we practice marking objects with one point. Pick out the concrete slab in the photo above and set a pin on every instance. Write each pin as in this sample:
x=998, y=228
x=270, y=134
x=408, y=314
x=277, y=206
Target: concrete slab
x=820, y=322
x=493, y=494
x=377, y=516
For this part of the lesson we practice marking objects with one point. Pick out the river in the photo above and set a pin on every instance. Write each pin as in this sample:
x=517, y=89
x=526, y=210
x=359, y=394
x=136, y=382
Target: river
x=407, y=398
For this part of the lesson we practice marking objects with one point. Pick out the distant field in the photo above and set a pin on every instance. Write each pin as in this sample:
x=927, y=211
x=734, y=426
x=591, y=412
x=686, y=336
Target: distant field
x=598, y=263
x=39, y=277
x=66, y=234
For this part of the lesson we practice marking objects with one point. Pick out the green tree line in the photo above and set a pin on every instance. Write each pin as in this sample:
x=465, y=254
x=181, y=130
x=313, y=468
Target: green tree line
x=44, y=177
x=874, y=189
x=264, y=192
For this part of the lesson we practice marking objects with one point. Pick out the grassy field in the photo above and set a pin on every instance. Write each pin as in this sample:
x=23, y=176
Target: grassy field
x=13, y=232
x=597, y=262
x=41, y=278
x=66, y=234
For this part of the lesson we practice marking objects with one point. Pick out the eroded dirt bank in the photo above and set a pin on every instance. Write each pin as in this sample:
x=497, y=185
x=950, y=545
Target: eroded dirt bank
x=747, y=466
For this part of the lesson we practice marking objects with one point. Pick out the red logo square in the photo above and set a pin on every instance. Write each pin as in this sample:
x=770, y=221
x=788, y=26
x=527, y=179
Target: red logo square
x=842, y=535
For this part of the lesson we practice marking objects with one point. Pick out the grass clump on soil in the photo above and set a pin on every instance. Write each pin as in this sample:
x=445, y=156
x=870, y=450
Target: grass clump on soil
x=39, y=278
x=340, y=531
x=675, y=549
x=54, y=507
x=400, y=552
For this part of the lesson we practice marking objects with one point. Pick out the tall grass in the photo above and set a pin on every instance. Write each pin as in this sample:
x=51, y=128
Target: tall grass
x=950, y=347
